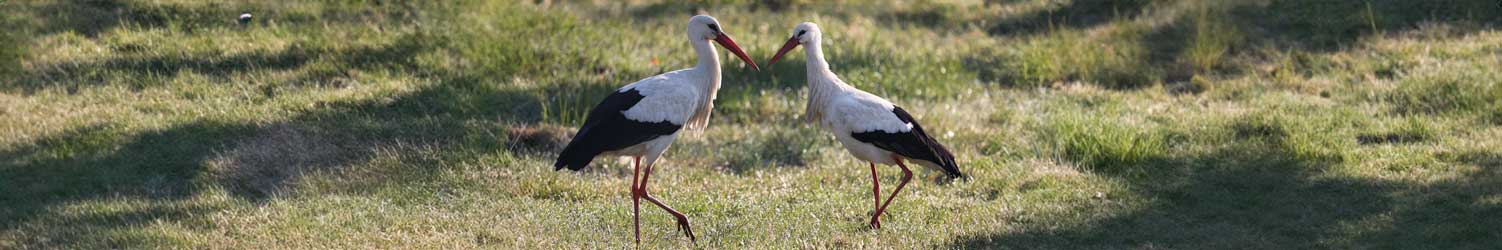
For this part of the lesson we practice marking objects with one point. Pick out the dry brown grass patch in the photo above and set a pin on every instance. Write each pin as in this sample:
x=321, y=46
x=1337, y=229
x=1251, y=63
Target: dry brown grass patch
x=270, y=161
x=537, y=138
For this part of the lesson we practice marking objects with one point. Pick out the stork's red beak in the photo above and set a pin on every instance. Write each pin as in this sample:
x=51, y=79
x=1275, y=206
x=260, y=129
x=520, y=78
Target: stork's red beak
x=789, y=45
x=724, y=40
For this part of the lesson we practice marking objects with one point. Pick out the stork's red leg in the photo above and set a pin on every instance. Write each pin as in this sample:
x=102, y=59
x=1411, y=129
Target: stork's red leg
x=907, y=175
x=636, y=199
x=682, y=220
x=875, y=192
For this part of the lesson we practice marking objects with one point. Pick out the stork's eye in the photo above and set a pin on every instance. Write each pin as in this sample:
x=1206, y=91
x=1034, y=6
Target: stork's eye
x=800, y=32
x=714, y=27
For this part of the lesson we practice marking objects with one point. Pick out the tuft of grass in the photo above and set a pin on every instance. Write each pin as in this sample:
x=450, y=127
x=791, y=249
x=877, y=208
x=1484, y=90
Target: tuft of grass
x=1309, y=134
x=1411, y=130
x=1106, y=145
x=1211, y=41
x=1111, y=60
x=1494, y=116
x=10, y=55
x=1463, y=89
x=1261, y=127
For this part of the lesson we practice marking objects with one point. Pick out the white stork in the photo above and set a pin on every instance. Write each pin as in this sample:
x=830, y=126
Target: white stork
x=641, y=119
x=871, y=128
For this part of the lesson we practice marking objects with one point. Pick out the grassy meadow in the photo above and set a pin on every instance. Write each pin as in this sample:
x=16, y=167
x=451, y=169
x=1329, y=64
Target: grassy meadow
x=1084, y=124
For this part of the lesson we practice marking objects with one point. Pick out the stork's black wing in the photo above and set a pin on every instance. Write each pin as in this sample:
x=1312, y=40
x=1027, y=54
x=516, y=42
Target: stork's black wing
x=608, y=129
x=914, y=144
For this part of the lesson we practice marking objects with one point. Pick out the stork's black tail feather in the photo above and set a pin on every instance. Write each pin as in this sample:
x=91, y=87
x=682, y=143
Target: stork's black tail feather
x=607, y=129
x=915, y=144
x=574, y=158
x=946, y=159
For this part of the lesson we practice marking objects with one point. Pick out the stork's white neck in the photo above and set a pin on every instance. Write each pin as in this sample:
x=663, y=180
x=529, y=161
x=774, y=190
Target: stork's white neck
x=823, y=84
x=709, y=61
x=709, y=73
x=815, y=54
x=818, y=68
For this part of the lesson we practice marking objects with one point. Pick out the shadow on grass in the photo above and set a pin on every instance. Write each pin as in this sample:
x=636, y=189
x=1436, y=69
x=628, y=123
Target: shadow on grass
x=1205, y=38
x=1077, y=14
x=93, y=17
x=1260, y=197
x=170, y=168
x=682, y=10
x=1319, y=24
x=1331, y=24
x=142, y=72
x=93, y=164
x=1456, y=213
x=669, y=10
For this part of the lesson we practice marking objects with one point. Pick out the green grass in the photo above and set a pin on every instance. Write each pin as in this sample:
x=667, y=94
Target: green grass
x=1083, y=124
x=1103, y=144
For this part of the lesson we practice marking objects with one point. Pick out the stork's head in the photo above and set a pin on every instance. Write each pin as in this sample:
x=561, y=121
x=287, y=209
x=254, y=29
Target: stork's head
x=804, y=33
x=702, y=27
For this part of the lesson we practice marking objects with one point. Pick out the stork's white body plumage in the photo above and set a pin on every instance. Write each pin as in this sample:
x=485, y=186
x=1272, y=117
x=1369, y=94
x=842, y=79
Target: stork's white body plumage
x=870, y=127
x=642, y=119
x=674, y=97
x=854, y=111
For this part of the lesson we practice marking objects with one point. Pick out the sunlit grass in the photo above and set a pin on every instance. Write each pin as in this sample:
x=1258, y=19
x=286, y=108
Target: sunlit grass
x=1082, y=124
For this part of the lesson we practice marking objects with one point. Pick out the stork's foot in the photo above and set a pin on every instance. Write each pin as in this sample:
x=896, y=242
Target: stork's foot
x=875, y=223
x=687, y=230
x=682, y=220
